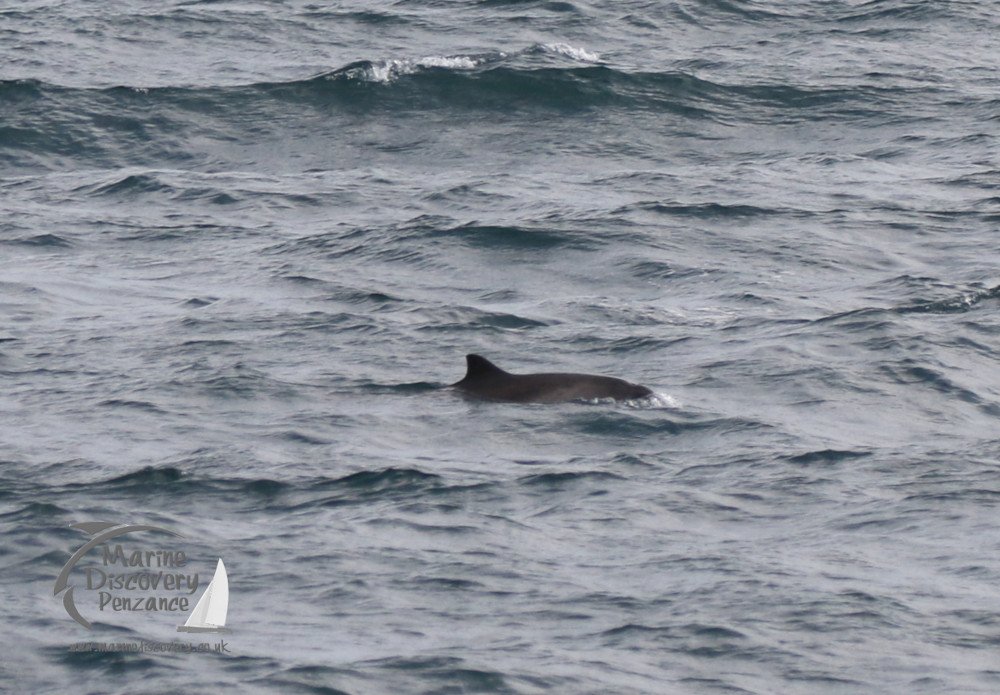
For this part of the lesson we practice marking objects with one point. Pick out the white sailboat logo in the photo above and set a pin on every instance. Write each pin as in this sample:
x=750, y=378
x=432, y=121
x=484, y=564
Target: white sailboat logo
x=209, y=614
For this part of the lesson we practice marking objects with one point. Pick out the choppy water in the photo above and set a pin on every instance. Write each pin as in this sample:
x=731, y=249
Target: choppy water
x=242, y=244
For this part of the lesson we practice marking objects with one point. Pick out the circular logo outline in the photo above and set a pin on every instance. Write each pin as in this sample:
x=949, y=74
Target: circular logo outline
x=102, y=531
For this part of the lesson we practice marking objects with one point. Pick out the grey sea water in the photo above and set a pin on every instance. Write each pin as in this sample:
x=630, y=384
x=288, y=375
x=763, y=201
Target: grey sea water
x=244, y=244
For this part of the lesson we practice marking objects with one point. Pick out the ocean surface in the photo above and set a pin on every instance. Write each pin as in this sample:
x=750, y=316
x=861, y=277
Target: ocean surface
x=243, y=245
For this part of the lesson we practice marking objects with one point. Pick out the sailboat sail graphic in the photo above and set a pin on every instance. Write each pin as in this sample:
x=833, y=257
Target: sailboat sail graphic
x=209, y=614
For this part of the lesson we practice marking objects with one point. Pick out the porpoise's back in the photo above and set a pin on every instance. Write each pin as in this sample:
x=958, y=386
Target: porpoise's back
x=484, y=379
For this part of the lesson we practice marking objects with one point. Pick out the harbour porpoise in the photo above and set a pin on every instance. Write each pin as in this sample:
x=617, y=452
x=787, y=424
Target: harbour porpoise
x=486, y=380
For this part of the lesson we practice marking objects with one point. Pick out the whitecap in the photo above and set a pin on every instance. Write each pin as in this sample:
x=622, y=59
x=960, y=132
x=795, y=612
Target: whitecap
x=579, y=54
x=458, y=62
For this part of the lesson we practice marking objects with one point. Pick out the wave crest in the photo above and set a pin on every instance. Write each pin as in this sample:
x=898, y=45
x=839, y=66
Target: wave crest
x=387, y=71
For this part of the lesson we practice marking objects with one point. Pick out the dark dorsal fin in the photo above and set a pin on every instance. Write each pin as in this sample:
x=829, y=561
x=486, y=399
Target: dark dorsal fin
x=480, y=366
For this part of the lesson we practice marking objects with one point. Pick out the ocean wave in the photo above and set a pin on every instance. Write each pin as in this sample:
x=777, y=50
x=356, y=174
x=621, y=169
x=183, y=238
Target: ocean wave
x=708, y=210
x=51, y=241
x=357, y=487
x=415, y=240
x=47, y=126
x=960, y=302
x=550, y=76
x=702, y=11
x=956, y=300
x=502, y=83
x=827, y=457
x=898, y=10
x=707, y=12
x=391, y=70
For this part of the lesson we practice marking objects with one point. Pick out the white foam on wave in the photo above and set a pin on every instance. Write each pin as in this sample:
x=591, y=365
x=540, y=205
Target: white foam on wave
x=387, y=71
x=451, y=62
x=663, y=400
x=390, y=70
x=656, y=401
x=564, y=49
